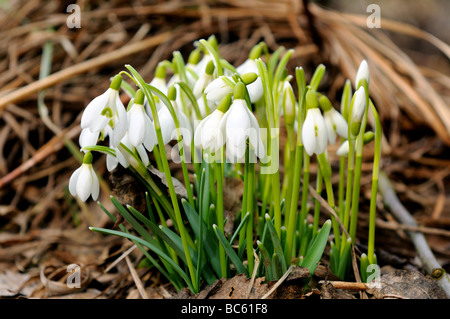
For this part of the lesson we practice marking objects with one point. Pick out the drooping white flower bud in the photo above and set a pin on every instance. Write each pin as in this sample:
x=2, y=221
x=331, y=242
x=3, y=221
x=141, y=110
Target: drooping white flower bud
x=84, y=182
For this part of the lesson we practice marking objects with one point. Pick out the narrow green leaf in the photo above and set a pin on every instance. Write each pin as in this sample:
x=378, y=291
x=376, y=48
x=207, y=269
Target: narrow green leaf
x=276, y=243
x=153, y=248
x=209, y=238
x=229, y=250
x=314, y=254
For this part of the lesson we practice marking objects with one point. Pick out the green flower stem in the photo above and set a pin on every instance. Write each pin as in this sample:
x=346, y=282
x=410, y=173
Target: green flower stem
x=325, y=169
x=319, y=187
x=305, y=185
x=289, y=165
x=358, y=164
x=183, y=233
x=250, y=208
x=218, y=170
x=298, y=164
x=274, y=140
x=341, y=187
x=215, y=55
x=373, y=197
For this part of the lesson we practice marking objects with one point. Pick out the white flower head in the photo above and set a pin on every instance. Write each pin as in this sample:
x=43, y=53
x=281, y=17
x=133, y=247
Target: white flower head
x=141, y=129
x=219, y=88
x=362, y=73
x=358, y=110
x=84, y=182
x=314, y=131
x=207, y=134
x=106, y=109
x=238, y=125
x=334, y=121
x=255, y=89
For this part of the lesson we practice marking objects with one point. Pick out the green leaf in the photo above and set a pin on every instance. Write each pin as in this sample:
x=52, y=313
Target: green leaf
x=266, y=260
x=153, y=248
x=314, y=254
x=209, y=238
x=276, y=243
x=229, y=250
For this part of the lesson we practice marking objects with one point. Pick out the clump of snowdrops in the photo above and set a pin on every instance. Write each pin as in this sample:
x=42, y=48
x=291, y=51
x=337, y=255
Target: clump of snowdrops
x=223, y=122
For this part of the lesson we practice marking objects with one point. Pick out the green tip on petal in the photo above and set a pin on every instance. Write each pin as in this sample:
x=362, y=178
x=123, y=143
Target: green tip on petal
x=160, y=72
x=312, y=101
x=225, y=103
x=139, y=97
x=209, y=68
x=116, y=82
x=249, y=78
x=325, y=103
x=88, y=158
x=239, y=90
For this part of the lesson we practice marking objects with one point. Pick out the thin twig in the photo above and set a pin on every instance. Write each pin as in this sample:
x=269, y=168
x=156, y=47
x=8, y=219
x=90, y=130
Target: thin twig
x=430, y=263
x=136, y=279
x=279, y=282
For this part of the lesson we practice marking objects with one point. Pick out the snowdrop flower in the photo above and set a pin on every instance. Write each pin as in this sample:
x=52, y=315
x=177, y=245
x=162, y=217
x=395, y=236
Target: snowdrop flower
x=219, y=88
x=141, y=129
x=362, y=74
x=207, y=133
x=106, y=109
x=358, y=110
x=124, y=157
x=255, y=89
x=343, y=149
x=334, y=121
x=238, y=125
x=287, y=103
x=167, y=123
x=314, y=131
x=84, y=182
x=88, y=138
x=203, y=81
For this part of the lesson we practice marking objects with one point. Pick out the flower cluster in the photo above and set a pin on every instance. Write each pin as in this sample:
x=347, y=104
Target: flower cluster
x=204, y=103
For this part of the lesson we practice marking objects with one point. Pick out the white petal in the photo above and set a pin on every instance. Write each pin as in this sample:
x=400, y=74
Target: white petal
x=255, y=136
x=340, y=124
x=198, y=132
x=308, y=134
x=143, y=155
x=88, y=138
x=73, y=181
x=343, y=149
x=136, y=125
x=150, y=139
x=167, y=124
x=111, y=161
x=322, y=137
x=93, y=110
x=363, y=73
x=95, y=185
x=84, y=183
x=255, y=90
x=330, y=128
